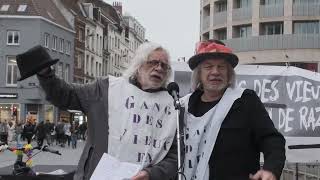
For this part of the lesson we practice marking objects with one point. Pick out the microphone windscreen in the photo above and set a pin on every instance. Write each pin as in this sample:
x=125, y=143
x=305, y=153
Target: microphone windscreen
x=173, y=86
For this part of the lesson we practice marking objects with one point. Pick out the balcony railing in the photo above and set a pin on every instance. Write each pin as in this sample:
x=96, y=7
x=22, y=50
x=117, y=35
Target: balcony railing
x=271, y=42
x=306, y=9
x=206, y=23
x=220, y=18
x=271, y=10
x=241, y=14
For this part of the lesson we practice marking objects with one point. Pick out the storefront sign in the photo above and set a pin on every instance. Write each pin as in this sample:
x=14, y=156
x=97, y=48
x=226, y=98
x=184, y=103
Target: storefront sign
x=9, y=95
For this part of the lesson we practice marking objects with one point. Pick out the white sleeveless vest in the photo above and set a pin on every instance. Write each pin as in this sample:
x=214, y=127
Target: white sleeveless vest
x=142, y=125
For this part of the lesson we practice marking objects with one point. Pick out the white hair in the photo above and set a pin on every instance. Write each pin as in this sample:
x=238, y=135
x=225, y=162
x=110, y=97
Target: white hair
x=141, y=56
x=196, y=82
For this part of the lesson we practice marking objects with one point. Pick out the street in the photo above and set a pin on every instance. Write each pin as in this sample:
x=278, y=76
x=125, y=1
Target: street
x=67, y=161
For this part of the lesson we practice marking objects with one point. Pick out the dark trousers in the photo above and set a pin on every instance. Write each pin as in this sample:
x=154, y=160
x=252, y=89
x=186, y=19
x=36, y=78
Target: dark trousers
x=4, y=138
x=40, y=141
x=29, y=138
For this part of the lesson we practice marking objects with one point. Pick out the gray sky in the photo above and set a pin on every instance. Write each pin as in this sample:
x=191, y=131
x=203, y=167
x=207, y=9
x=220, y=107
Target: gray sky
x=171, y=23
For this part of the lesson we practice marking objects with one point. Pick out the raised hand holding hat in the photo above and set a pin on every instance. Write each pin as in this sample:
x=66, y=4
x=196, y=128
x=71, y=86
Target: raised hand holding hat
x=34, y=60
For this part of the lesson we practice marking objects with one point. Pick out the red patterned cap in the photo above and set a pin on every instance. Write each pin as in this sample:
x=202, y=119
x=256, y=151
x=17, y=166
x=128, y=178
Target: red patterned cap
x=212, y=49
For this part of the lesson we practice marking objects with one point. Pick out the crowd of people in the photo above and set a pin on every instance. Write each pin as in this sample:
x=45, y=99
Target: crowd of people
x=62, y=133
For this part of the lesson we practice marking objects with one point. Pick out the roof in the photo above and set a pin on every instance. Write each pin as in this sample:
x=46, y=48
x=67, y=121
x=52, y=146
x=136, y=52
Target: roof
x=44, y=8
x=74, y=5
x=107, y=10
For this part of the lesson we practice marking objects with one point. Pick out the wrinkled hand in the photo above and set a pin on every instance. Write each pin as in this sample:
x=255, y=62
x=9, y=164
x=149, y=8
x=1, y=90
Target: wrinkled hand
x=262, y=175
x=141, y=175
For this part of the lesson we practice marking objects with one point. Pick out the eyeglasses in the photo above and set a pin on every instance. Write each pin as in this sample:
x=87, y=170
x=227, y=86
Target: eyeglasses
x=155, y=63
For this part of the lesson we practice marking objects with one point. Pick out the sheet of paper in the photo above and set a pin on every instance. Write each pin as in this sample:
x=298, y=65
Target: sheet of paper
x=110, y=168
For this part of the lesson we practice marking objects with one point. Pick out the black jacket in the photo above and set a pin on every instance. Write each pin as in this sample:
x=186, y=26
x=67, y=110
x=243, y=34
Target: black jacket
x=246, y=131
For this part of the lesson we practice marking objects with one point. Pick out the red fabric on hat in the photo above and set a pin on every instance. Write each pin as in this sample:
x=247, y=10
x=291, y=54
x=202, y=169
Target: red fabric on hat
x=207, y=47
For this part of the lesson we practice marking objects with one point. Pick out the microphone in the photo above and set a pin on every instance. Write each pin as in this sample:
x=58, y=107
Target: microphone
x=47, y=149
x=173, y=90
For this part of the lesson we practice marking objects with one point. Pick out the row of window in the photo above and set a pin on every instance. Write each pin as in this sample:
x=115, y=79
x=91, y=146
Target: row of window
x=62, y=72
x=13, y=38
x=12, y=71
x=57, y=44
x=21, y=8
x=310, y=27
x=221, y=6
x=95, y=42
x=94, y=67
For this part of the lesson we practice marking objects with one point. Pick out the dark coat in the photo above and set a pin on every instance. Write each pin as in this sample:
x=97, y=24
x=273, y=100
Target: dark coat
x=40, y=130
x=246, y=131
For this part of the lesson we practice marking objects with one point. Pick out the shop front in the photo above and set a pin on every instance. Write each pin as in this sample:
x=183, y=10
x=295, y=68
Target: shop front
x=10, y=112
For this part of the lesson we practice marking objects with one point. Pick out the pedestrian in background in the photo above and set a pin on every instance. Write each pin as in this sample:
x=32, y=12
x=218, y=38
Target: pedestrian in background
x=28, y=130
x=18, y=132
x=11, y=132
x=4, y=128
x=48, y=126
x=60, y=133
x=74, y=135
x=67, y=132
x=40, y=133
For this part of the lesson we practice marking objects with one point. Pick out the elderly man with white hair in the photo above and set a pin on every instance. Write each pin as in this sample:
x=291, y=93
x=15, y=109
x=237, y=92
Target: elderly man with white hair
x=227, y=127
x=130, y=117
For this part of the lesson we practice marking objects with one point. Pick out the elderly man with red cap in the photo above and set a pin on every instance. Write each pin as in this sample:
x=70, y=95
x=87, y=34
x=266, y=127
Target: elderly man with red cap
x=227, y=127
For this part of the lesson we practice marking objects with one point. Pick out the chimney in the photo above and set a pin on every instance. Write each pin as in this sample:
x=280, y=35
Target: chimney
x=118, y=7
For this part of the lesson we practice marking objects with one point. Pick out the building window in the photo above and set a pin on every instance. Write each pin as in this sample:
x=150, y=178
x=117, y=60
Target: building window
x=92, y=66
x=5, y=7
x=242, y=4
x=87, y=64
x=92, y=42
x=306, y=1
x=80, y=35
x=13, y=38
x=271, y=2
x=54, y=42
x=66, y=73
x=271, y=28
x=46, y=40
x=87, y=38
x=61, y=47
x=79, y=62
x=221, y=34
x=22, y=8
x=311, y=27
x=68, y=48
x=97, y=71
x=12, y=71
x=220, y=6
x=59, y=70
x=242, y=31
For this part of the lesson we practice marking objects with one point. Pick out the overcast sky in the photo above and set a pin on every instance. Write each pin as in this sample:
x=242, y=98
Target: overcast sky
x=171, y=23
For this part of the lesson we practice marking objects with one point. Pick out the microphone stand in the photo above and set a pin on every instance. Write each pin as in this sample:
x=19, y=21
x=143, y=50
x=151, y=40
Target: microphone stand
x=177, y=106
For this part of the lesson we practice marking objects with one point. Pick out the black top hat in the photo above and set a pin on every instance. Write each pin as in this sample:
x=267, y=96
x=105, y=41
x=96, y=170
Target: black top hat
x=33, y=60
